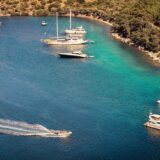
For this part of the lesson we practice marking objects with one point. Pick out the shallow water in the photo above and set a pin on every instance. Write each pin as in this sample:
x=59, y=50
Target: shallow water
x=104, y=100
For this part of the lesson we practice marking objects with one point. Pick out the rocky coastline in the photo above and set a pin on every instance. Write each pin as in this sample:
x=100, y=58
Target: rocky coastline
x=153, y=57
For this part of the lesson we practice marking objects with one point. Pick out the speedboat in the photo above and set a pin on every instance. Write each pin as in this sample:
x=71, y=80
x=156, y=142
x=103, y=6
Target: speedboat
x=53, y=133
x=75, y=54
x=154, y=121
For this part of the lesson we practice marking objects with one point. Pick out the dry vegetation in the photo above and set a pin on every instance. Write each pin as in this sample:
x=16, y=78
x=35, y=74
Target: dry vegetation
x=30, y=7
x=138, y=20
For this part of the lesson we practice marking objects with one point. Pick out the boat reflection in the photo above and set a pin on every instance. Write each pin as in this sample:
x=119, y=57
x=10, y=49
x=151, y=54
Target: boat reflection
x=69, y=48
x=158, y=107
x=153, y=132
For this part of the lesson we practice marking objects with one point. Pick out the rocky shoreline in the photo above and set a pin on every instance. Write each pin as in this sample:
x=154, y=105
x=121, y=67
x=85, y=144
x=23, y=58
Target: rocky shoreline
x=153, y=57
x=90, y=18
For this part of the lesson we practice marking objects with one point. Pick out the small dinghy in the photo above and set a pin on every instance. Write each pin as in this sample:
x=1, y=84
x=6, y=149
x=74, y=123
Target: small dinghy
x=44, y=23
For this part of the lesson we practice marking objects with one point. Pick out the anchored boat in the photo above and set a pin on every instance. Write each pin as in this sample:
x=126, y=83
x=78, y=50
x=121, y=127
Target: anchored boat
x=68, y=40
x=77, y=30
x=65, y=41
x=154, y=121
x=75, y=54
x=44, y=23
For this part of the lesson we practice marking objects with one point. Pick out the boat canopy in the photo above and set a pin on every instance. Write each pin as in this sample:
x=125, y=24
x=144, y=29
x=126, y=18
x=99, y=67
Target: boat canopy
x=155, y=117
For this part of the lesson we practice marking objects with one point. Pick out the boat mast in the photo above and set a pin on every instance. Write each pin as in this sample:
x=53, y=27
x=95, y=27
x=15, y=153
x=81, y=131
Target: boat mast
x=57, y=24
x=70, y=20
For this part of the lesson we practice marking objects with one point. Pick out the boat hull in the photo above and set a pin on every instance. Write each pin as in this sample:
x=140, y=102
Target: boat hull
x=65, y=42
x=151, y=125
x=74, y=32
x=72, y=56
x=43, y=24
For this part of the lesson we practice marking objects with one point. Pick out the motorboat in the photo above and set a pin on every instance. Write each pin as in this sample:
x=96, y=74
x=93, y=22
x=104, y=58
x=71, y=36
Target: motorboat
x=75, y=54
x=154, y=121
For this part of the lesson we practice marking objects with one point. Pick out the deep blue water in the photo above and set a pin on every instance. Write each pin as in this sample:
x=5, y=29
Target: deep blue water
x=104, y=100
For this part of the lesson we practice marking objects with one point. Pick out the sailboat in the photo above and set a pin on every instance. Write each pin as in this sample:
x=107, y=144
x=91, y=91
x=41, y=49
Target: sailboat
x=67, y=40
x=77, y=30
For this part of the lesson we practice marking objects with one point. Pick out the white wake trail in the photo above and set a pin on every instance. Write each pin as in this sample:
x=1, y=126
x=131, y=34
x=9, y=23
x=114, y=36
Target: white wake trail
x=24, y=129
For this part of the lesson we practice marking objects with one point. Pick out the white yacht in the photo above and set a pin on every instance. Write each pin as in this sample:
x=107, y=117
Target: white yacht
x=154, y=121
x=158, y=101
x=77, y=30
x=67, y=40
x=75, y=54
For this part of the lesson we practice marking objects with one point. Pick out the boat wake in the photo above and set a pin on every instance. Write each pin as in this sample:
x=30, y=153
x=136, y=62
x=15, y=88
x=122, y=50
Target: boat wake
x=24, y=129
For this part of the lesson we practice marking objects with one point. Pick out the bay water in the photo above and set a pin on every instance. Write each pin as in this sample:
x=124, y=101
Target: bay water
x=103, y=100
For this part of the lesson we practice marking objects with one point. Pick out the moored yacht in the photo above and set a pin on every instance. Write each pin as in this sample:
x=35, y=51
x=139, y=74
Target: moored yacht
x=75, y=54
x=76, y=30
x=154, y=121
x=67, y=40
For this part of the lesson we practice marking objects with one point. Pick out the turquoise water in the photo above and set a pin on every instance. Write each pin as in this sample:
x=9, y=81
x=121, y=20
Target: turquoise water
x=104, y=100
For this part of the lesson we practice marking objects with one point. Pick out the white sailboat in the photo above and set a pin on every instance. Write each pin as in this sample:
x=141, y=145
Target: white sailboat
x=68, y=40
x=77, y=30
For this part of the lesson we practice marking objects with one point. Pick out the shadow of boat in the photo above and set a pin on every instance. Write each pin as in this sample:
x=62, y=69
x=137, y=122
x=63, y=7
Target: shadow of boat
x=153, y=132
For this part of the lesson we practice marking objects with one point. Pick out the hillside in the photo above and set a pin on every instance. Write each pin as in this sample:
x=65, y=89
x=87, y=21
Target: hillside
x=138, y=20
